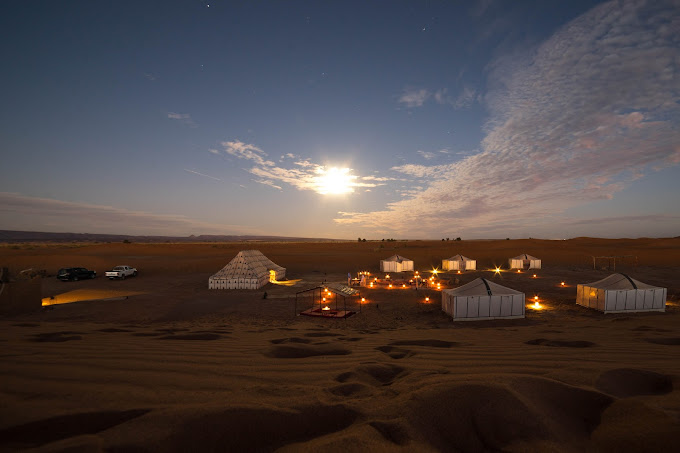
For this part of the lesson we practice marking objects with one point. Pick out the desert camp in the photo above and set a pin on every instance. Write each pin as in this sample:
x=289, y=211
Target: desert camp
x=177, y=354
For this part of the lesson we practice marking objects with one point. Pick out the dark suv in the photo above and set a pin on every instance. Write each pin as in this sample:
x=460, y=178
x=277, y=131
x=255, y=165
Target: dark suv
x=75, y=274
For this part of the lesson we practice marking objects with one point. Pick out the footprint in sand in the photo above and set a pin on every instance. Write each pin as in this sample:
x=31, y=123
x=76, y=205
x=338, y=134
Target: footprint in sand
x=301, y=351
x=395, y=352
x=56, y=337
x=562, y=343
x=625, y=382
x=352, y=389
x=376, y=374
x=52, y=429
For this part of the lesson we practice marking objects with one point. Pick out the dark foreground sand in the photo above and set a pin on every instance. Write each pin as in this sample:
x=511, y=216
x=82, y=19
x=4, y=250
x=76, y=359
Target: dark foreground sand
x=176, y=367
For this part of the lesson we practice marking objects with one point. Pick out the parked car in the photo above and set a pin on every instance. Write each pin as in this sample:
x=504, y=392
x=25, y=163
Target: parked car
x=121, y=272
x=75, y=273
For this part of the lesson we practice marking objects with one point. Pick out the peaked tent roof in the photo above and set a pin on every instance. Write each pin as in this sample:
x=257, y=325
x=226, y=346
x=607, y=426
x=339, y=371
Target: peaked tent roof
x=524, y=256
x=248, y=264
x=459, y=257
x=482, y=287
x=397, y=258
x=619, y=281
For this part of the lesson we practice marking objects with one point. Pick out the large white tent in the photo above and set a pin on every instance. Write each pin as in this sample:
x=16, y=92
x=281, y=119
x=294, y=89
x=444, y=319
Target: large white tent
x=481, y=299
x=525, y=261
x=459, y=263
x=619, y=293
x=249, y=269
x=396, y=263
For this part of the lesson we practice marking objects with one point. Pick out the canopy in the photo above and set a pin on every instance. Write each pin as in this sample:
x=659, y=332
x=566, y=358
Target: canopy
x=459, y=263
x=525, y=261
x=249, y=269
x=620, y=293
x=481, y=299
x=396, y=263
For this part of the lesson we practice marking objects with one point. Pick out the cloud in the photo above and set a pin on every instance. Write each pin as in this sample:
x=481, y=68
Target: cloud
x=246, y=151
x=571, y=121
x=202, y=174
x=150, y=76
x=24, y=213
x=184, y=118
x=466, y=98
x=414, y=97
x=427, y=155
x=304, y=175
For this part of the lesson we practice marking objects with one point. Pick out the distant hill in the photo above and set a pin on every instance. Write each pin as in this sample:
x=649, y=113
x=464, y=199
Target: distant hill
x=8, y=236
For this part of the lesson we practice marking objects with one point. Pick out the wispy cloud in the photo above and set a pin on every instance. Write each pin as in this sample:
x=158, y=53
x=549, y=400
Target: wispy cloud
x=149, y=76
x=573, y=121
x=417, y=97
x=202, y=174
x=184, y=118
x=25, y=213
x=414, y=97
x=426, y=154
x=303, y=175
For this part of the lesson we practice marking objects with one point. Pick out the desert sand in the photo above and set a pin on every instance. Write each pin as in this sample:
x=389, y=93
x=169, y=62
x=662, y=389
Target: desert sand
x=160, y=363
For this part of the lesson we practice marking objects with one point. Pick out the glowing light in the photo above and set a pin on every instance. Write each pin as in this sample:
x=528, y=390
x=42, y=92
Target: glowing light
x=363, y=300
x=534, y=275
x=390, y=285
x=404, y=285
x=459, y=272
x=416, y=272
x=371, y=285
x=427, y=299
x=497, y=270
x=562, y=283
x=535, y=297
x=519, y=271
x=326, y=308
x=387, y=277
x=334, y=181
x=537, y=306
x=434, y=271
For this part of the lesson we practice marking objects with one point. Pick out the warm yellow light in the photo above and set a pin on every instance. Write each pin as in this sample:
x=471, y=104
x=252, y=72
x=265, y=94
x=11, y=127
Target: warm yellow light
x=404, y=285
x=363, y=300
x=390, y=285
x=534, y=275
x=427, y=299
x=497, y=270
x=326, y=308
x=535, y=297
x=387, y=276
x=537, y=305
x=434, y=271
x=518, y=271
x=459, y=272
x=334, y=181
x=371, y=284
x=562, y=283
x=416, y=272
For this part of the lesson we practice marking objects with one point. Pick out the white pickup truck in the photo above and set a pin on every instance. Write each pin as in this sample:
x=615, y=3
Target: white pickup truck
x=121, y=272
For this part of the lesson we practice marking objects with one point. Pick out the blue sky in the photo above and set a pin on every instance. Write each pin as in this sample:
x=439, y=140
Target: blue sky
x=477, y=119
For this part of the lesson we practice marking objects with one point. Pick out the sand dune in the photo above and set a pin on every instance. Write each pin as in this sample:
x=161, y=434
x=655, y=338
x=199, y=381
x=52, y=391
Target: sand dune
x=177, y=367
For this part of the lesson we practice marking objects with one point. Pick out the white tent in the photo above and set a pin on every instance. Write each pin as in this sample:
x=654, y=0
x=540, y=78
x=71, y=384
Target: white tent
x=459, y=263
x=525, y=261
x=619, y=293
x=396, y=263
x=249, y=269
x=481, y=299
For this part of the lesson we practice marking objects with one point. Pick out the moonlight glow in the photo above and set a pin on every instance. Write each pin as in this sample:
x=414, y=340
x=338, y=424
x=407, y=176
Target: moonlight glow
x=334, y=181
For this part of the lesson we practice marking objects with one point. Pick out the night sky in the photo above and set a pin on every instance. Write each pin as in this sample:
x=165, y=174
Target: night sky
x=341, y=119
